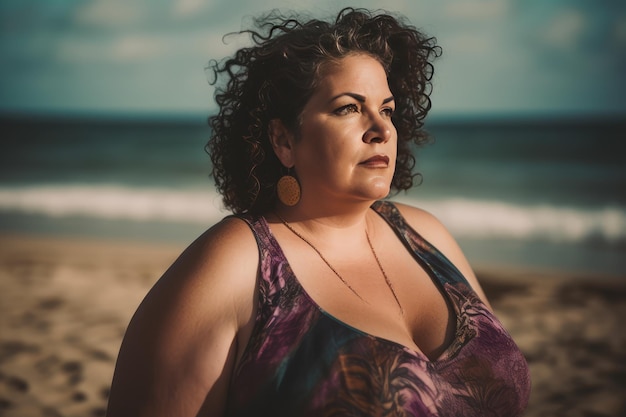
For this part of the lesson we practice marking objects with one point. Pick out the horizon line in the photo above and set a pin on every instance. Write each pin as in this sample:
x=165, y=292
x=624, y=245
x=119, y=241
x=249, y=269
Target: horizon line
x=191, y=116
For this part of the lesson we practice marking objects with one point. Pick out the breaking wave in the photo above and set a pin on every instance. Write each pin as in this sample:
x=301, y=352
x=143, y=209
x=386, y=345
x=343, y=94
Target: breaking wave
x=464, y=217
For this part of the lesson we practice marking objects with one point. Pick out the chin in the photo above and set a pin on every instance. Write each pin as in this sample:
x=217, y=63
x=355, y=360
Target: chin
x=379, y=193
x=374, y=189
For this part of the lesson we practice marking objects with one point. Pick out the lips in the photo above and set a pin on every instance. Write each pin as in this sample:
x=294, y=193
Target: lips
x=376, y=161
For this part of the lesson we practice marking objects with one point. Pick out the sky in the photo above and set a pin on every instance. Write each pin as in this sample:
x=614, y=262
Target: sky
x=147, y=57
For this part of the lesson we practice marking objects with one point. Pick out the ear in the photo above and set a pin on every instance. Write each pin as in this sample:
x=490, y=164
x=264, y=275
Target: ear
x=282, y=141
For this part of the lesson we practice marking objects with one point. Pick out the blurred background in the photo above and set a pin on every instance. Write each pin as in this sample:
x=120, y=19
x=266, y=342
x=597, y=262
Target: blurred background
x=103, y=108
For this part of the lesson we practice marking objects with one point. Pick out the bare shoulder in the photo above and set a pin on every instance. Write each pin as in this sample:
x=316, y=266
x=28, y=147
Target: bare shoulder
x=228, y=250
x=182, y=343
x=221, y=264
x=431, y=228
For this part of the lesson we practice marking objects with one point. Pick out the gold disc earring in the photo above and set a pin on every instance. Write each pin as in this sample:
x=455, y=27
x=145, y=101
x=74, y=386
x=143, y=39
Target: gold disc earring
x=288, y=190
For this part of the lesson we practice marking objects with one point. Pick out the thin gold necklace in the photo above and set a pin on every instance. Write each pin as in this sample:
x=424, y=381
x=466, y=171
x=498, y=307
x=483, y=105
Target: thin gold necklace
x=369, y=242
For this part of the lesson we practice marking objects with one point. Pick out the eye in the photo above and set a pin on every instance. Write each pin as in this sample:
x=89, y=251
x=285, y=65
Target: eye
x=387, y=111
x=347, y=109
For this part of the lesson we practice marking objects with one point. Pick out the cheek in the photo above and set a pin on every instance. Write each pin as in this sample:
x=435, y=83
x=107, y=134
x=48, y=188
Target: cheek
x=323, y=161
x=324, y=144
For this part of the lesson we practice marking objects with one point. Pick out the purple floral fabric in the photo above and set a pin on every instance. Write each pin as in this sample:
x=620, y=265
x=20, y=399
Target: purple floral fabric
x=301, y=361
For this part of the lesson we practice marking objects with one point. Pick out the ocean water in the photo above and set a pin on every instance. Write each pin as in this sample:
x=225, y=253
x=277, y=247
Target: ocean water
x=531, y=194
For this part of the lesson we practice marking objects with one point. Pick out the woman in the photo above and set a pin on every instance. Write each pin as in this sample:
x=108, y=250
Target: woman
x=319, y=298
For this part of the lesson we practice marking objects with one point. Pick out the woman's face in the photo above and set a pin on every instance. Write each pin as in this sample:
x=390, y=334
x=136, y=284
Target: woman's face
x=346, y=147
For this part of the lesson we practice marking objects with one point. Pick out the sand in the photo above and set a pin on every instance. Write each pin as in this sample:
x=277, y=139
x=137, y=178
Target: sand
x=64, y=306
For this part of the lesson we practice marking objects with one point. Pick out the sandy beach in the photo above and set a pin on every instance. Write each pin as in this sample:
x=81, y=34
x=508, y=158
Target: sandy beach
x=64, y=306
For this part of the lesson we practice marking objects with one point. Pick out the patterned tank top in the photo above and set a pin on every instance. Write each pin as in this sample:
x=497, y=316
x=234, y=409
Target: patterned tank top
x=301, y=361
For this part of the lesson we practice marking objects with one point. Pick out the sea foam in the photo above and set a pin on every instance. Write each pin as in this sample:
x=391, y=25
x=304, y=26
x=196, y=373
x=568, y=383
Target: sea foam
x=494, y=219
x=464, y=217
x=114, y=202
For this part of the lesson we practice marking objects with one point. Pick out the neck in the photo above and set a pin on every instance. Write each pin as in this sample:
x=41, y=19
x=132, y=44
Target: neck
x=336, y=230
x=333, y=215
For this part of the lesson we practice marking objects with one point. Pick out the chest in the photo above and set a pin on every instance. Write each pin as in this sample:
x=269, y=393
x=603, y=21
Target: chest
x=302, y=361
x=388, y=295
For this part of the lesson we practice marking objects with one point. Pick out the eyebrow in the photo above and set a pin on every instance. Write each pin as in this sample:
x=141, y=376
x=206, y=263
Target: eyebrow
x=359, y=97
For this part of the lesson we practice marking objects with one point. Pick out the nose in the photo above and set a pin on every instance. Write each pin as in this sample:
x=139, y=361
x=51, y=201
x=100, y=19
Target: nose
x=380, y=130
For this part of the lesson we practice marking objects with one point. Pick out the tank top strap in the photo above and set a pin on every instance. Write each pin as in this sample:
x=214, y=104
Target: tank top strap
x=435, y=263
x=272, y=262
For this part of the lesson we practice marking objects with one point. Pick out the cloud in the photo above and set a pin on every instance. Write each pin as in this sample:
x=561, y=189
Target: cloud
x=498, y=54
x=112, y=14
x=565, y=29
x=620, y=30
x=476, y=10
x=138, y=48
x=475, y=44
x=183, y=8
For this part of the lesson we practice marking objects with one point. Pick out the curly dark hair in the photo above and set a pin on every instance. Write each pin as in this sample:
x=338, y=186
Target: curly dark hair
x=274, y=79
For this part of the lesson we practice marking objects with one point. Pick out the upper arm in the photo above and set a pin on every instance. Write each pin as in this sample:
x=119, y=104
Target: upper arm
x=437, y=234
x=181, y=345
